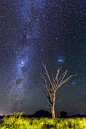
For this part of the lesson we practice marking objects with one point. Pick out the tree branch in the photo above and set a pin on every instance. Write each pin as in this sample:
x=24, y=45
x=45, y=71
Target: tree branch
x=58, y=101
x=57, y=74
x=42, y=85
x=44, y=92
x=48, y=107
x=45, y=81
x=65, y=81
x=64, y=74
x=47, y=74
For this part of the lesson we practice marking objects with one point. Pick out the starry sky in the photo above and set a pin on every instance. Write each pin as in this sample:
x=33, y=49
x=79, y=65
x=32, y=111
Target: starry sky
x=36, y=31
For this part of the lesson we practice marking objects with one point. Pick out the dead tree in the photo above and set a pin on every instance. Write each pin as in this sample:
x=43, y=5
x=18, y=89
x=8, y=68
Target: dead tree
x=54, y=85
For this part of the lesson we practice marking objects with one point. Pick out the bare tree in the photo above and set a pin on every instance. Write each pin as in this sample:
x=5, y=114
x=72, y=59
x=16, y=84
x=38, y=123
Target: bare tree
x=54, y=85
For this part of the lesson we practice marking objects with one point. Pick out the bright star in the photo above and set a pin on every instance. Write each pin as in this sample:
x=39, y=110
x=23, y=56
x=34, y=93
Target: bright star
x=21, y=64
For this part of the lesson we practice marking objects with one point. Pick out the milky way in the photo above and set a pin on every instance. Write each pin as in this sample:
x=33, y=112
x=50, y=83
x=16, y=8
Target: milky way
x=36, y=31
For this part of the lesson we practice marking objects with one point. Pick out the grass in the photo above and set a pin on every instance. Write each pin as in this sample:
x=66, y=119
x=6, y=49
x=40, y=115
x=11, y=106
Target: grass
x=18, y=122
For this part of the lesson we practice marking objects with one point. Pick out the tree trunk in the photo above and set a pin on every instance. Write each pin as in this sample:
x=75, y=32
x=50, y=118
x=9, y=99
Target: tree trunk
x=53, y=110
x=53, y=106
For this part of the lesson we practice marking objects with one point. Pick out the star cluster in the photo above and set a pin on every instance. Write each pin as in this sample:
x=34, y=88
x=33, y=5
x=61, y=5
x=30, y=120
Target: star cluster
x=37, y=31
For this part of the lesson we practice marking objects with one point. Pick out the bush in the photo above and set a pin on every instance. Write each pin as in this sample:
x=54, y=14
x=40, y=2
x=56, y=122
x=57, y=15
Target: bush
x=18, y=122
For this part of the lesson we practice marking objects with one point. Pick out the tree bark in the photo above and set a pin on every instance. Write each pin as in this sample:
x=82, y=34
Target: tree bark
x=53, y=110
x=53, y=106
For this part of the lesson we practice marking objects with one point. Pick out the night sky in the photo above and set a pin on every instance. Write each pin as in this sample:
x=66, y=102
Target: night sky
x=36, y=31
